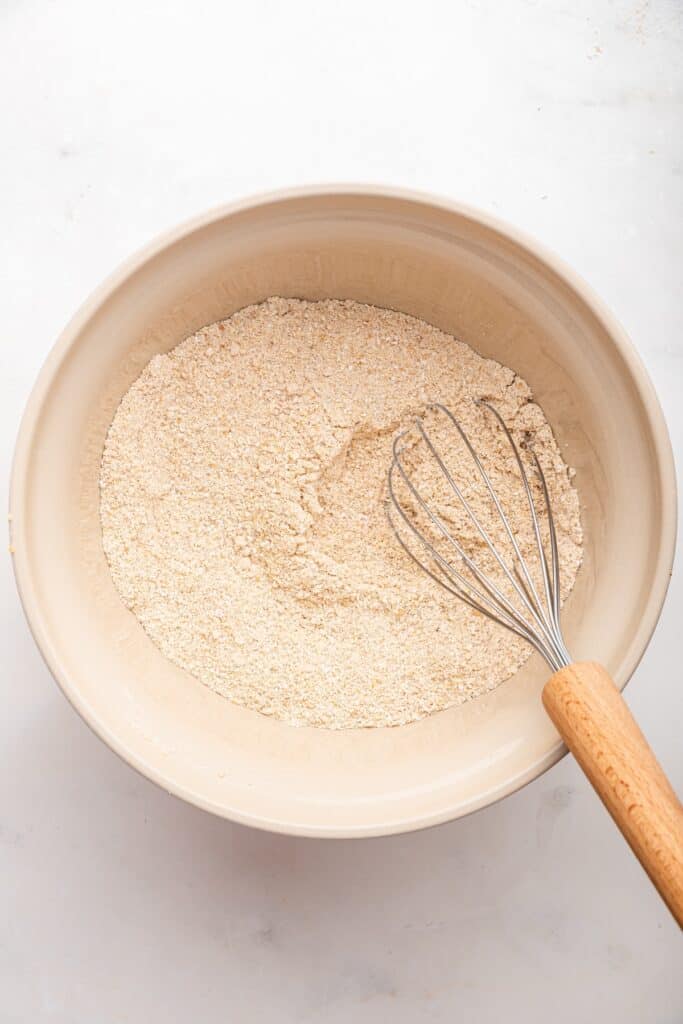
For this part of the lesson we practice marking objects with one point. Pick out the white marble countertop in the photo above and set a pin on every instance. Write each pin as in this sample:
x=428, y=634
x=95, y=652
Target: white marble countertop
x=119, y=903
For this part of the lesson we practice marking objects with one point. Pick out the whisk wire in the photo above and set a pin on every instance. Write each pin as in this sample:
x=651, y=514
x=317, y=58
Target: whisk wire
x=456, y=581
x=458, y=591
x=555, y=558
x=527, y=594
x=532, y=512
x=490, y=587
x=543, y=630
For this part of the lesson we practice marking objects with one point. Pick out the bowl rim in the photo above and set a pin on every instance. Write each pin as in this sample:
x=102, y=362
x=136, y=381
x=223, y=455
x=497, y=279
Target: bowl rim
x=662, y=453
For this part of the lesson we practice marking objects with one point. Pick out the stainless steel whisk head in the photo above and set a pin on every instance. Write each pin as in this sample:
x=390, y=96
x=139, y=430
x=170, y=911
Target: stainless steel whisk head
x=532, y=615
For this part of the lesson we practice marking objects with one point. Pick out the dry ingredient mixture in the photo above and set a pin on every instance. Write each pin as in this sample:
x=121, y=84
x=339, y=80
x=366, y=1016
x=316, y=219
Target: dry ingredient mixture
x=242, y=504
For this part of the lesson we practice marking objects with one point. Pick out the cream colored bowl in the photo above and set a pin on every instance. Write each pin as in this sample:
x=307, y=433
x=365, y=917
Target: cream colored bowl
x=469, y=276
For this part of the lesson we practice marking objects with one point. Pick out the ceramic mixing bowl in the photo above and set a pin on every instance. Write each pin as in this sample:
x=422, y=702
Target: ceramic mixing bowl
x=468, y=275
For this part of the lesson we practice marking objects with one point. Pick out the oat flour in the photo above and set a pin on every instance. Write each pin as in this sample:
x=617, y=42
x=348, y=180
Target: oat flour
x=242, y=505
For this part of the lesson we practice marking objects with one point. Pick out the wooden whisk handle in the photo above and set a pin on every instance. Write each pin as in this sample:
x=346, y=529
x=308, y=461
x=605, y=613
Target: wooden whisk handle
x=597, y=726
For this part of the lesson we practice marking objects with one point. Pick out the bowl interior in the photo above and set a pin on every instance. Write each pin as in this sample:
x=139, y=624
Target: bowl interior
x=434, y=262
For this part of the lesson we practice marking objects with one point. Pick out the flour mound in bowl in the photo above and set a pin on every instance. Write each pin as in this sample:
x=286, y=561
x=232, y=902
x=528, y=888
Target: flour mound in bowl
x=242, y=504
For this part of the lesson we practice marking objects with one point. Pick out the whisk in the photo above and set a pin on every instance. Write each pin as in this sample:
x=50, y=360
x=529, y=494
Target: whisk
x=584, y=704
